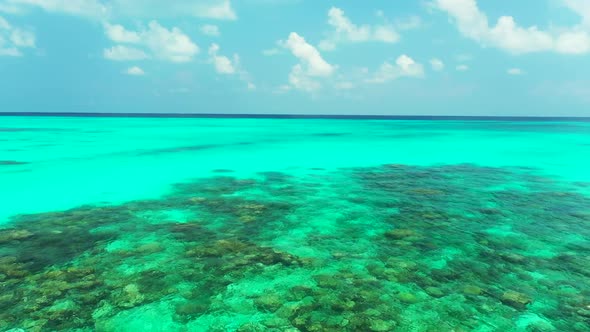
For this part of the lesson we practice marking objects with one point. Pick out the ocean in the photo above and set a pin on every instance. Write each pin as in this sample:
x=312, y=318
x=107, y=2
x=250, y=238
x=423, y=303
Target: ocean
x=294, y=224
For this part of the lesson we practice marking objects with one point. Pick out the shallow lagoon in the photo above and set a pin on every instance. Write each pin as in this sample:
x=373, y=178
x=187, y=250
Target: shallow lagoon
x=294, y=225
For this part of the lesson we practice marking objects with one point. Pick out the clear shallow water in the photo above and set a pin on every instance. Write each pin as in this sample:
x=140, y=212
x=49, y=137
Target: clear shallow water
x=310, y=225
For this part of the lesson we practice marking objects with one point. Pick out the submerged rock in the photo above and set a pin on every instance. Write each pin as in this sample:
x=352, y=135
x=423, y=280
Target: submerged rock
x=472, y=290
x=327, y=280
x=427, y=191
x=516, y=299
x=275, y=322
x=8, y=235
x=191, y=310
x=129, y=297
x=269, y=302
x=408, y=298
x=297, y=293
x=380, y=325
x=434, y=291
x=400, y=233
x=252, y=327
x=513, y=258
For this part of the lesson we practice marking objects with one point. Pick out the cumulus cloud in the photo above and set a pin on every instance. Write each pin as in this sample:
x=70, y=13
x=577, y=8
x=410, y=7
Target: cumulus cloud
x=462, y=67
x=344, y=31
x=515, y=71
x=404, y=67
x=222, y=11
x=210, y=30
x=14, y=39
x=4, y=25
x=582, y=8
x=9, y=51
x=507, y=35
x=229, y=66
x=155, y=41
x=22, y=38
x=10, y=9
x=172, y=45
x=135, y=71
x=313, y=72
x=437, y=64
x=303, y=76
x=223, y=65
x=310, y=57
x=271, y=52
x=119, y=34
x=124, y=53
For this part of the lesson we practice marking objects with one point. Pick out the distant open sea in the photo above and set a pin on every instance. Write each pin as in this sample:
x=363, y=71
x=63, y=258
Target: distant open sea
x=152, y=222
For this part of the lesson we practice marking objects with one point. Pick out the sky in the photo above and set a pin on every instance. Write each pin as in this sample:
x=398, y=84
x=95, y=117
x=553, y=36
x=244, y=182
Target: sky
x=383, y=57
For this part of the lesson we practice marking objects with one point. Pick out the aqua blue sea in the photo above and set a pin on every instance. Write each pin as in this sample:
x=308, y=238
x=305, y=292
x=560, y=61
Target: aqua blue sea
x=170, y=224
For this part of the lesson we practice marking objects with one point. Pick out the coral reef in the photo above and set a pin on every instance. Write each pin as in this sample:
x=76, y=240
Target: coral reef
x=389, y=248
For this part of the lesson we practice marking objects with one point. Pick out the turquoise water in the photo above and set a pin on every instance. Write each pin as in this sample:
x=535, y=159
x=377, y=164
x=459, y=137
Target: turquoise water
x=115, y=224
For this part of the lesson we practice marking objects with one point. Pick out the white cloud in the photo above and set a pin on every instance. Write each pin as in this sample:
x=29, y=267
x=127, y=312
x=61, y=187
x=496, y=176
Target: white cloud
x=310, y=57
x=4, y=25
x=161, y=43
x=10, y=9
x=124, y=53
x=271, y=52
x=282, y=89
x=580, y=7
x=462, y=68
x=119, y=34
x=222, y=11
x=135, y=71
x=347, y=32
x=210, y=30
x=9, y=51
x=409, y=66
x=22, y=38
x=515, y=71
x=573, y=42
x=311, y=64
x=171, y=45
x=509, y=36
x=404, y=67
x=14, y=39
x=223, y=65
x=437, y=64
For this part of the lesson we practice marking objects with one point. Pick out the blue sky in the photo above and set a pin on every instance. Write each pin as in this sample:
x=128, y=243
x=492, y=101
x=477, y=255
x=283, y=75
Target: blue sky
x=438, y=57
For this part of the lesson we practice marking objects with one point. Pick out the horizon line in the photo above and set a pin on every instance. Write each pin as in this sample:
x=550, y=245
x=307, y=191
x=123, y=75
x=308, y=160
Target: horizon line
x=296, y=116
